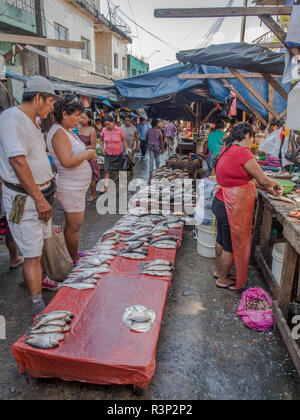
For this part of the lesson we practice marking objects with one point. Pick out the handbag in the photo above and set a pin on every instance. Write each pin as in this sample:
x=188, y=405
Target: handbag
x=56, y=259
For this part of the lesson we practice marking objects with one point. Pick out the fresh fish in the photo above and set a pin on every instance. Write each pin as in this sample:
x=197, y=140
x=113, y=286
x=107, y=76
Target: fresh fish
x=66, y=313
x=132, y=247
x=139, y=317
x=89, y=273
x=58, y=323
x=51, y=329
x=158, y=268
x=80, y=286
x=158, y=262
x=90, y=281
x=48, y=318
x=164, y=246
x=164, y=239
x=144, y=251
x=95, y=261
x=55, y=336
x=43, y=342
x=175, y=226
x=134, y=256
x=157, y=273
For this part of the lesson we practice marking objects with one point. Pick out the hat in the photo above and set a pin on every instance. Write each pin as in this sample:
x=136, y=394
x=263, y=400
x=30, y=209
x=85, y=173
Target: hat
x=39, y=84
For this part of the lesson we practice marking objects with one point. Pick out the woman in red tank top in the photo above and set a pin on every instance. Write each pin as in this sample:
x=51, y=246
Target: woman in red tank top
x=233, y=205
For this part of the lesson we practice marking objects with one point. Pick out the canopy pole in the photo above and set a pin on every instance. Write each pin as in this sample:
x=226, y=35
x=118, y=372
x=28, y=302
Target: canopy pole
x=247, y=105
x=255, y=93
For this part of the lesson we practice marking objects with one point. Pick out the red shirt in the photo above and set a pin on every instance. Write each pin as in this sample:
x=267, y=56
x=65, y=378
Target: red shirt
x=230, y=169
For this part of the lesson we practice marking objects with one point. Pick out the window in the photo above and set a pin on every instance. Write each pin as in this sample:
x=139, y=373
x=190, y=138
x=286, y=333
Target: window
x=133, y=72
x=86, y=53
x=62, y=34
x=124, y=64
x=116, y=61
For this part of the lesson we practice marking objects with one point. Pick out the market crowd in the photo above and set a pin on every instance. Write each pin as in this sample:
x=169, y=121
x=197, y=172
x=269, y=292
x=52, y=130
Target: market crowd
x=33, y=172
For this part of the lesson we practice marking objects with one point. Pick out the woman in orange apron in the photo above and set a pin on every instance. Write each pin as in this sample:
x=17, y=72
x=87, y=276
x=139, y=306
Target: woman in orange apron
x=238, y=175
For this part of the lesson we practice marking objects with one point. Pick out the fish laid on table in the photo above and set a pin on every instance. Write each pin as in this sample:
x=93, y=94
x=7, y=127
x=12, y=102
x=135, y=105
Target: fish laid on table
x=88, y=273
x=164, y=246
x=55, y=336
x=50, y=329
x=132, y=247
x=157, y=273
x=164, y=239
x=43, y=342
x=158, y=268
x=49, y=317
x=80, y=286
x=134, y=256
x=158, y=262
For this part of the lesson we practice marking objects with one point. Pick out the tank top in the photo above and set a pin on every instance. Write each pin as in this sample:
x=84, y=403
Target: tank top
x=77, y=178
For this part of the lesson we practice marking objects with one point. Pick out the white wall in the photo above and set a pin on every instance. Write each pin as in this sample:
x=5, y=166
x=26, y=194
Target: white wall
x=119, y=47
x=79, y=25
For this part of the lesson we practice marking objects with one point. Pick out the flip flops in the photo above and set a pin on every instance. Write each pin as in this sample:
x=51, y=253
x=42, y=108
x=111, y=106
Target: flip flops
x=17, y=266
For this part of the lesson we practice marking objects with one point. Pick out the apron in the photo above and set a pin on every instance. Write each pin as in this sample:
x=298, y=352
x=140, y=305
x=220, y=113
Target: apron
x=240, y=202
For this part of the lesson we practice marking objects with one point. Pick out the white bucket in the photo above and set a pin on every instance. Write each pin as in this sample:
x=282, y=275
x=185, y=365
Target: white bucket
x=206, y=241
x=278, y=257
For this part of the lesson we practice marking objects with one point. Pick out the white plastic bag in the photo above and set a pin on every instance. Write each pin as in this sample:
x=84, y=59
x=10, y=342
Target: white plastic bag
x=293, y=120
x=272, y=144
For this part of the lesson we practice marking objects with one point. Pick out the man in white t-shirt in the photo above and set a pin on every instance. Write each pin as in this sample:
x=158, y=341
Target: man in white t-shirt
x=26, y=173
x=131, y=135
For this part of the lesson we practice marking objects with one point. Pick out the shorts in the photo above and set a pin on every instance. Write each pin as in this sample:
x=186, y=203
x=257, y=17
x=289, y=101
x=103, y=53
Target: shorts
x=71, y=201
x=223, y=226
x=31, y=232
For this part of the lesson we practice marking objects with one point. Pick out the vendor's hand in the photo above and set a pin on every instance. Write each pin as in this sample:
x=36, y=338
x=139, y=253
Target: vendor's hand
x=44, y=209
x=276, y=190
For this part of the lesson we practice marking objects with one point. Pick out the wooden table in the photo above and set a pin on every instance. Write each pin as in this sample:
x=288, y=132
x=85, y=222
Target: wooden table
x=287, y=293
x=194, y=168
x=185, y=147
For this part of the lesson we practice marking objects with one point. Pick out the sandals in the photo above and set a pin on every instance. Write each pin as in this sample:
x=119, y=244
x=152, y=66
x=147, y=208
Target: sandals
x=14, y=267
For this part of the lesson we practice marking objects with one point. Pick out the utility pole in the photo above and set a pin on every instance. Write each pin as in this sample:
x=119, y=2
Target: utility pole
x=40, y=33
x=244, y=21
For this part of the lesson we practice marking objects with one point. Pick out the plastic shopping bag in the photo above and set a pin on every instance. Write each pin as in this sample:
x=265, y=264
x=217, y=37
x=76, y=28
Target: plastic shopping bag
x=256, y=320
x=57, y=262
x=272, y=144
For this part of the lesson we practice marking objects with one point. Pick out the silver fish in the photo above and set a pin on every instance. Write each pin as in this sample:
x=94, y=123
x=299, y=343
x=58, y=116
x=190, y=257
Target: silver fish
x=164, y=246
x=47, y=318
x=55, y=336
x=80, y=286
x=139, y=317
x=157, y=268
x=66, y=313
x=164, y=239
x=134, y=256
x=158, y=262
x=58, y=323
x=43, y=342
x=132, y=247
x=51, y=329
x=157, y=273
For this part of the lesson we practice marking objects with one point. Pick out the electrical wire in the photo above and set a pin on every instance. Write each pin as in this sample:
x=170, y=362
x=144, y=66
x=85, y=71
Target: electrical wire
x=137, y=29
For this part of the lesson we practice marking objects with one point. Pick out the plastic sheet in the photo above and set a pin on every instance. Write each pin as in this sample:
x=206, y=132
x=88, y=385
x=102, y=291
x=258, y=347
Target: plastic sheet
x=99, y=348
x=240, y=203
x=256, y=320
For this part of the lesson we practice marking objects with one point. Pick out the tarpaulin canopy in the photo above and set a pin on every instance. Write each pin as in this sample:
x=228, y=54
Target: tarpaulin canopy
x=220, y=91
x=238, y=55
x=158, y=86
x=66, y=86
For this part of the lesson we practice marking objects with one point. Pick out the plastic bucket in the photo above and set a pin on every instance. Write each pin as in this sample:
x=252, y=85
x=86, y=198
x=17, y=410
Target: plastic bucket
x=278, y=257
x=206, y=241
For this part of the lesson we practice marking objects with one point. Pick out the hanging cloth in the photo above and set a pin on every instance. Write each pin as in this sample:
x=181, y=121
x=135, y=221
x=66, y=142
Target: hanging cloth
x=239, y=202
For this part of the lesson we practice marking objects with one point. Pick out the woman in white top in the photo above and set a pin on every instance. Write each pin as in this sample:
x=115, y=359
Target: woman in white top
x=73, y=169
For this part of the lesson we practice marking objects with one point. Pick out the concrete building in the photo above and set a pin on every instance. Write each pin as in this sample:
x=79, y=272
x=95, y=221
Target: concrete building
x=136, y=66
x=105, y=40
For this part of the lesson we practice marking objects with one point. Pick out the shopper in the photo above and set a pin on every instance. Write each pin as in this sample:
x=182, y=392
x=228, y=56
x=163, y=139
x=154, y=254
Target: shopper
x=26, y=173
x=215, y=142
x=74, y=173
x=88, y=136
x=131, y=136
x=155, y=144
x=112, y=143
x=170, y=134
x=234, y=204
x=142, y=129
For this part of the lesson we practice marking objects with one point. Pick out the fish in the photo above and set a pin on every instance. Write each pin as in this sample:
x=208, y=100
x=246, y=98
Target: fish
x=55, y=336
x=158, y=262
x=164, y=246
x=88, y=273
x=90, y=281
x=58, y=323
x=51, y=329
x=164, y=239
x=139, y=317
x=132, y=247
x=157, y=273
x=48, y=318
x=134, y=256
x=66, y=313
x=43, y=342
x=80, y=286
x=158, y=268
x=144, y=251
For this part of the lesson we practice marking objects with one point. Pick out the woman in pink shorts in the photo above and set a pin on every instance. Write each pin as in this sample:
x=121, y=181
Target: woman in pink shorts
x=74, y=172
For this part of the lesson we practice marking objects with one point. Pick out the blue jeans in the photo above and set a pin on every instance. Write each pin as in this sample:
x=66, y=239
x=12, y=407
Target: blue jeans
x=154, y=152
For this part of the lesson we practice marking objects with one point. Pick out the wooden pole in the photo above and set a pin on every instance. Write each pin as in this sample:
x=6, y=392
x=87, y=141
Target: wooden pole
x=40, y=33
x=244, y=22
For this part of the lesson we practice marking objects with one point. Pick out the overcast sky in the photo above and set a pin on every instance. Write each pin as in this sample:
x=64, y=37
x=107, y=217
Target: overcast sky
x=181, y=33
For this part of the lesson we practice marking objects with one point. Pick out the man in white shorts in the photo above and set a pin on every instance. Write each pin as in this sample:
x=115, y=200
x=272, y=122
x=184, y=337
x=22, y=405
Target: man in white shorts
x=27, y=175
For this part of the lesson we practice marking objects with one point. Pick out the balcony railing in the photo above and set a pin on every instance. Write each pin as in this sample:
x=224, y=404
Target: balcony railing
x=26, y=5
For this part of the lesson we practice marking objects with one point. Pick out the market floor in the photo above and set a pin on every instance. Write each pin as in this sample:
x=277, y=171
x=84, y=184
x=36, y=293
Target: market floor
x=204, y=351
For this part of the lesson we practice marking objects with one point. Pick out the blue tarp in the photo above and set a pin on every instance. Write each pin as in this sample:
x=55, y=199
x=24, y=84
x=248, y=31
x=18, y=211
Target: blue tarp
x=163, y=85
x=157, y=86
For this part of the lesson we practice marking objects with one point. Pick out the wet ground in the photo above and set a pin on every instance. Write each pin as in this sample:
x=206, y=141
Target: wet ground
x=204, y=351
